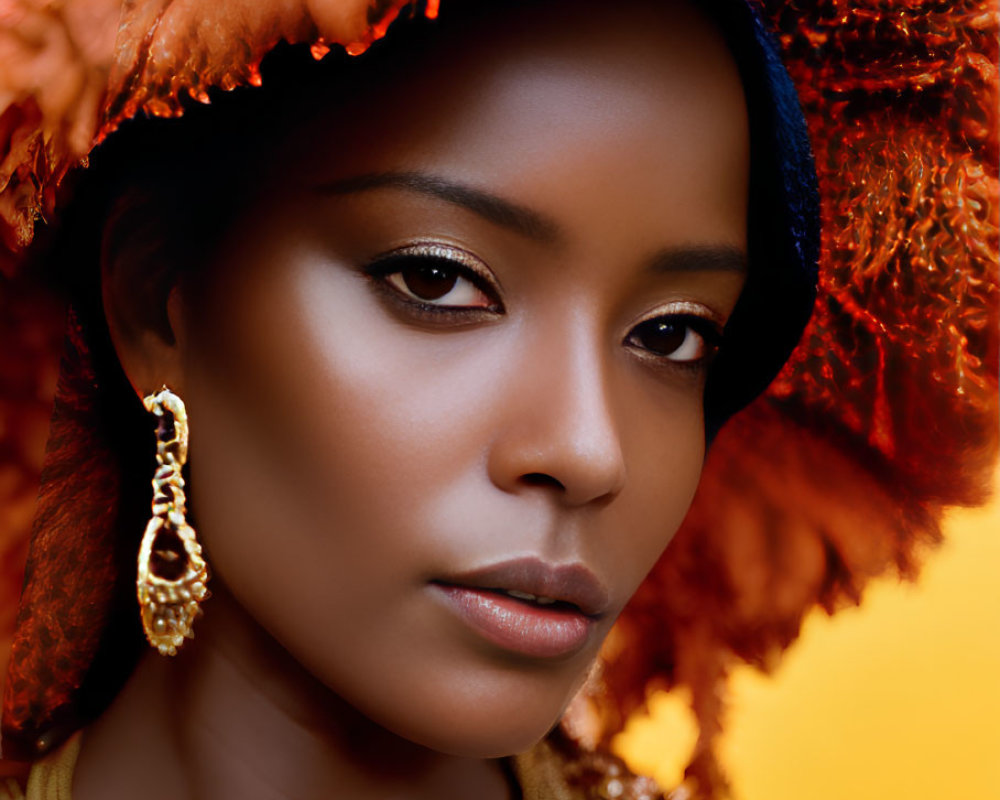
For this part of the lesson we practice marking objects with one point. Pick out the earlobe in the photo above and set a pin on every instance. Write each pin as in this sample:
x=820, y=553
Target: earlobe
x=141, y=300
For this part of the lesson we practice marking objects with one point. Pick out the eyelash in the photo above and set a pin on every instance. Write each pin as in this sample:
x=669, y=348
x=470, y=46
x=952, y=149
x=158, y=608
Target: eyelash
x=691, y=318
x=452, y=261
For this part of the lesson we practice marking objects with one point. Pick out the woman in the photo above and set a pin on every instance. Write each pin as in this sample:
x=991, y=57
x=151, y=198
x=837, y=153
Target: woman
x=512, y=327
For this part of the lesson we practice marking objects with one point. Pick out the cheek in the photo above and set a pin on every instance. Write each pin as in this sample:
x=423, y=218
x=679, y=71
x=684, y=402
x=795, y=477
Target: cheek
x=319, y=433
x=666, y=458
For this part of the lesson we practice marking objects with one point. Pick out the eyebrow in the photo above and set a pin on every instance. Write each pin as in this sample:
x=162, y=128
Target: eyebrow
x=491, y=207
x=528, y=222
x=700, y=257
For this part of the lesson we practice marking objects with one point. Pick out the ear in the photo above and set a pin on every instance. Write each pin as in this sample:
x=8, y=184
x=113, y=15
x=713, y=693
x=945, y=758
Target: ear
x=141, y=295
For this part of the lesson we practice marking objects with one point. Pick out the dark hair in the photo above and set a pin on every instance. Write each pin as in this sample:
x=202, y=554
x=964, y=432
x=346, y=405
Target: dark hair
x=783, y=223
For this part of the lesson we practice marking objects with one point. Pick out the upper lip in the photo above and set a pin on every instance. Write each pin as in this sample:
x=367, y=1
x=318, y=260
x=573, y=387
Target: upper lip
x=569, y=583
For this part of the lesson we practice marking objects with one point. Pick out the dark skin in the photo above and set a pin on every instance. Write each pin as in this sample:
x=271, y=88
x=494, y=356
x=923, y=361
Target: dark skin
x=363, y=429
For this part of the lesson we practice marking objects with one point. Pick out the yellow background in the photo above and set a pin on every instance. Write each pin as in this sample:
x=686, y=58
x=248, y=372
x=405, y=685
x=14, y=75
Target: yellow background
x=896, y=699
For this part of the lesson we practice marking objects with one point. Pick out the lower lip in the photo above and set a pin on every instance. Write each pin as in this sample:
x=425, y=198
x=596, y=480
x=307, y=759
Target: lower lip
x=518, y=626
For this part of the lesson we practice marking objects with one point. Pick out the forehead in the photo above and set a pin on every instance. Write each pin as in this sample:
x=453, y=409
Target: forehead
x=642, y=109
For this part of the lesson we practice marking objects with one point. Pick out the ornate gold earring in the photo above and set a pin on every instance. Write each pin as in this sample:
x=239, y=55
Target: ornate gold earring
x=172, y=572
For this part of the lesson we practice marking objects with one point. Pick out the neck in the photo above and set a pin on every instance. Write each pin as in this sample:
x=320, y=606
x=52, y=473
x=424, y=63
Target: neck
x=234, y=716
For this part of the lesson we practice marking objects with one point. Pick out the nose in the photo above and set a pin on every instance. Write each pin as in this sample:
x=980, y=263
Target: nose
x=558, y=428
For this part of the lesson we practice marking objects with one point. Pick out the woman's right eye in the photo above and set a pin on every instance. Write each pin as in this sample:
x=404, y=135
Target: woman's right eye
x=437, y=277
x=438, y=283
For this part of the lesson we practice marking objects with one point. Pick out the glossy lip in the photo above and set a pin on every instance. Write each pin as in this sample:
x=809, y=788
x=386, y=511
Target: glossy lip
x=572, y=583
x=536, y=630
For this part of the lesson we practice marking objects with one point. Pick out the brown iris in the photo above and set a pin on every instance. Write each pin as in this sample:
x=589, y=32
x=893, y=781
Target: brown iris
x=661, y=336
x=429, y=281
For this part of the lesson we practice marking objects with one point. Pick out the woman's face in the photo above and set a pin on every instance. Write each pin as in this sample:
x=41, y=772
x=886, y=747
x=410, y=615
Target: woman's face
x=457, y=350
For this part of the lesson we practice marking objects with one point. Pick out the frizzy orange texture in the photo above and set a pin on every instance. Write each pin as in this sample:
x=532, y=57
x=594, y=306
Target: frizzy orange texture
x=70, y=72
x=886, y=414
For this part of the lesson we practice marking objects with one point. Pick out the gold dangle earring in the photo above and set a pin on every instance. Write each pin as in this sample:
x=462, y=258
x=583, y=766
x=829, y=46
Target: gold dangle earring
x=172, y=572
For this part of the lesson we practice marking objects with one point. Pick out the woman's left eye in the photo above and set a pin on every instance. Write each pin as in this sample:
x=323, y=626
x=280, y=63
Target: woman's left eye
x=684, y=339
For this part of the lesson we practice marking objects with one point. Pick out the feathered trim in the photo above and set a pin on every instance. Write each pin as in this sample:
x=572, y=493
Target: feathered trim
x=71, y=72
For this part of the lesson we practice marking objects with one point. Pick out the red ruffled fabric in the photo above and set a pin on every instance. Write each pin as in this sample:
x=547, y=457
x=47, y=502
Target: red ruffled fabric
x=54, y=63
x=71, y=72
x=886, y=414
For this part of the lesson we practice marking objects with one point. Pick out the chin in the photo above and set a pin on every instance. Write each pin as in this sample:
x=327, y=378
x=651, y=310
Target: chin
x=502, y=713
x=485, y=738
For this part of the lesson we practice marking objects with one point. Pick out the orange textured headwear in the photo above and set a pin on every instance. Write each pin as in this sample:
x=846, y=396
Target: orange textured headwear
x=886, y=413
x=72, y=72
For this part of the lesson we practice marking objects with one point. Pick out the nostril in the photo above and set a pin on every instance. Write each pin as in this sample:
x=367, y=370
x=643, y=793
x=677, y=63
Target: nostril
x=541, y=479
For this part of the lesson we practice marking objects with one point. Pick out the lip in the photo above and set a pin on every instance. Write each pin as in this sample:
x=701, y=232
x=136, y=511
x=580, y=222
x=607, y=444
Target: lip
x=536, y=630
x=571, y=583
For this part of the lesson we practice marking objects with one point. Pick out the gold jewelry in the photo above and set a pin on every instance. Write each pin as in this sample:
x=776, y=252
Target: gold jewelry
x=172, y=573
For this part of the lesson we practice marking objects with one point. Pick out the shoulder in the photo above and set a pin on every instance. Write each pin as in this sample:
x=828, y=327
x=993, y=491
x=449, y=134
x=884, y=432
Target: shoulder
x=558, y=769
